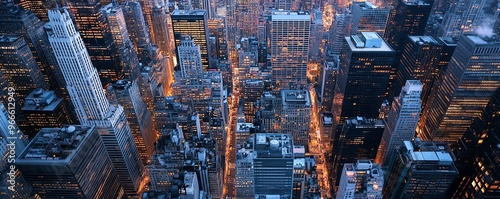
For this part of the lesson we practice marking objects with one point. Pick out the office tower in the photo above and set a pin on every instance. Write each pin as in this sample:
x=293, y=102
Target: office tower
x=75, y=154
x=189, y=58
x=16, y=20
x=127, y=53
x=266, y=114
x=420, y=170
x=98, y=38
x=295, y=115
x=160, y=29
x=362, y=179
x=340, y=28
x=408, y=17
x=283, y=4
x=359, y=138
x=402, y=121
x=328, y=81
x=43, y=109
x=19, y=66
x=194, y=24
x=218, y=29
x=289, y=48
x=465, y=17
x=477, y=155
x=273, y=165
x=362, y=81
x=90, y=101
x=247, y=17
x=316, y=43
x=465, y=85
x=127, y=94
x=421, y=60
x=252, y=91
x=137, y=29
x=244, y=177
x=40, y=7
x=367, y=17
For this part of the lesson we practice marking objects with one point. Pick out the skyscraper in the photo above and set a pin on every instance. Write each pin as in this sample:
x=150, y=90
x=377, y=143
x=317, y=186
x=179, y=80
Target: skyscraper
x=126, y=93
x=420, y=60
x=340, y=28
x=477, y=155
x=466, y=16
x=160, y=29
x=367, y=17
x=328, y=81
x=189, y=58
x=295, y=115
x=75, y=154
x=97, y=37
x=362, y=179
x=43, y=109
x=91, y=105
x=466, y=86
x=127, y=53
x=420, y=170
x=19, y=66
x=273, y=165
x=194, y=24
x=290, y=31
x=137, y=29
x=402, y=121
x=359, y=138
x=363, y=77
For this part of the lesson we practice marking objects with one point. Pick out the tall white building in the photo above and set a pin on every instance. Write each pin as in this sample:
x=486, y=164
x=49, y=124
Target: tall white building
x=362, y=179
x=402, y=121
x=90, y=101
x=189, y=58
x=367, y=17
x=290, y=31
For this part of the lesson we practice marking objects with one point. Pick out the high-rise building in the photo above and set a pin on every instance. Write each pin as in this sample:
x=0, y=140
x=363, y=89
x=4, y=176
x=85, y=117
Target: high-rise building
x=273, y=165
x=244, y=177
x=194, y=24
x=362, y=179
x=40, y=7
x=465, y=88
x=467, y=16
x=16, y=20
x=340, y=28
x=98, y=38
x=421, y=60
x=43, y=109
x=358, y=138
x=137, y=29
x=367, y=17
x=189, y=58
x=402, y=121
x=75, y=154
x=160, y=29
x=19, y=66
x=408, y=17
x=218, y=30
x=420, y=170
x=295, y=115
x=478, y=153
x=90, y=101
x=247, y=17
x=126, y=93
x=328, y=81
x=362, y=82
x=290, y=32
x=127, y=53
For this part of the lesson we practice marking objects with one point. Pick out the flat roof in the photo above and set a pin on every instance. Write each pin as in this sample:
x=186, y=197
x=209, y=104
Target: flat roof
x=273, y=145
x=295, y=97
x=383, y=48
x=189, y=12
x=288, y=15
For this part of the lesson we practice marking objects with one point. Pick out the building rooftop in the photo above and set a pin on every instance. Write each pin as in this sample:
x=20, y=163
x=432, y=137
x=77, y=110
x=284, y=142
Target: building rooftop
x=428, y=152
x=424, y=40
x=272, y=145
x=365, y=5
x=296, y=15
x=244, y=127
x=41, y=100
x=9, y=38
x=369, y=41
x=56, y=144
x=361, y=122
x=189, y=12
x=413, y=85
x=289, y=97
x=327, y=118
x=415, y=2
